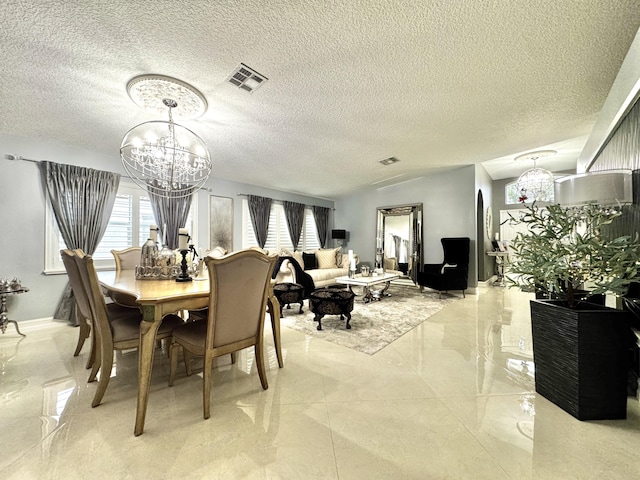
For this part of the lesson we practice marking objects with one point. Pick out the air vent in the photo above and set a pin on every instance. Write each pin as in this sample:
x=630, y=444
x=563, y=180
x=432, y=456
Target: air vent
x=389, y=161
x=246, y=78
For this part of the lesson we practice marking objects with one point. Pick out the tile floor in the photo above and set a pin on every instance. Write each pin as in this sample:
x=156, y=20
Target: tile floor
x=451, y=399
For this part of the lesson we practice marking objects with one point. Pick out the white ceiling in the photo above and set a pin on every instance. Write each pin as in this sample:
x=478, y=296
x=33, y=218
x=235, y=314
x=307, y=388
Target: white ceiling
x=435, y=83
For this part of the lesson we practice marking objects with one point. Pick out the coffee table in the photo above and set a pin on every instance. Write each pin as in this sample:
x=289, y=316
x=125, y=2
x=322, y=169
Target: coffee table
x=369, y=294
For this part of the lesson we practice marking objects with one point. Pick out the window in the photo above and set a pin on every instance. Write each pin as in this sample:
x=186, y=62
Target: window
x=129, y=224
x=278, y=236
x=512, y=194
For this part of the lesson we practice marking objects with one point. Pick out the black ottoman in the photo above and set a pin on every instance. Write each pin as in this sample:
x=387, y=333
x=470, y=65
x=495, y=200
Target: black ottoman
x=288, y=293
x=331, y=301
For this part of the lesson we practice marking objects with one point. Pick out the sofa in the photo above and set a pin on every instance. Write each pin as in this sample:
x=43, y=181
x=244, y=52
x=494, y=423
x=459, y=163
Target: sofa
x=322, y=266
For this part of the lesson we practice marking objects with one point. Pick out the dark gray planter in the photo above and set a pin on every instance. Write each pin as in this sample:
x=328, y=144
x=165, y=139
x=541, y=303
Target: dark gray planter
x=581, y=358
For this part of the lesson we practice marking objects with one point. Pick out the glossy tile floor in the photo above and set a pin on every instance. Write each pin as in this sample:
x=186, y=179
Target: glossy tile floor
x=451, y=399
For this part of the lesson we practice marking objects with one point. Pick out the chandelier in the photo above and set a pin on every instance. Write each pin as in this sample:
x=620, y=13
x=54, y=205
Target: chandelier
x=165, y=158
x=535, y=184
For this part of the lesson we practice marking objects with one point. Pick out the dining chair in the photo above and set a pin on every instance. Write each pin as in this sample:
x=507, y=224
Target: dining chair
x=126, y=259
x=239, y=287
x=82, y=308
x=113, y=333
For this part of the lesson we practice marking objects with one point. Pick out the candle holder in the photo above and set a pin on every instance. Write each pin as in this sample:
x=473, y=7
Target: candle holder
x=184, y=276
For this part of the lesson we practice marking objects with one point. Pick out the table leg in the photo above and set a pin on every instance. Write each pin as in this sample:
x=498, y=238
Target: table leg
x=273, y=307
x=151, y=319
x=4, y=319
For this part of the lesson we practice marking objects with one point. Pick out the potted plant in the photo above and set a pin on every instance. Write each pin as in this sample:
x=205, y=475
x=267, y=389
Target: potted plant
x=580, y=348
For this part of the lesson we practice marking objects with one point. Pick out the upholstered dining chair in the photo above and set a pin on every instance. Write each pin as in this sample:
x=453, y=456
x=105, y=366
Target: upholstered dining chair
x=111, y=333
x=239, y=287
x=126, y=259
x=453, y=272
x=83, y=310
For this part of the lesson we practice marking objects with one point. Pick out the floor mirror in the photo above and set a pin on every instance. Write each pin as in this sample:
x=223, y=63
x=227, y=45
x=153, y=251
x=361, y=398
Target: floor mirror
x=399, y=239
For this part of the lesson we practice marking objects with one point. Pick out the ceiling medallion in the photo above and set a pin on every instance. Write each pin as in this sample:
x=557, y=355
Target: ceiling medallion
x=149, y=91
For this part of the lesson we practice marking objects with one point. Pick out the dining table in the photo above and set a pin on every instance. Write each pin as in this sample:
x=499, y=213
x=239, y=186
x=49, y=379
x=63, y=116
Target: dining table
x=158, y=298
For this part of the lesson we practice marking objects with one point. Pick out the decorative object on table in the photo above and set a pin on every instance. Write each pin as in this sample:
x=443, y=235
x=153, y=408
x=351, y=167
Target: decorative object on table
x=331, y=301
x=580, y=348
x=183, y=247
x=165, y=158
x=352, y=265
x=9, y=288
x=220, y=222
x=365, y=271
x=149, y=253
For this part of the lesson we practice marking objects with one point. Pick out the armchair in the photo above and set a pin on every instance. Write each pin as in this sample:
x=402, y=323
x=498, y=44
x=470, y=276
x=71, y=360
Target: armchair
x=453, y=272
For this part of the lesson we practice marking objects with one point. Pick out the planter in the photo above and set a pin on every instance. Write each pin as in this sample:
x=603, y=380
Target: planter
x=581, y=358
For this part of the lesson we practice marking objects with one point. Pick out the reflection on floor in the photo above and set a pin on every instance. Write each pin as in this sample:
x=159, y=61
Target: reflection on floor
x=453, y=398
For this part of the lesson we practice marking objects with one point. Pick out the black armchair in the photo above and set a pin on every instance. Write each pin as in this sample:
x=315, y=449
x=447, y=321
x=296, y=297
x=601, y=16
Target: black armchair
x=453, y=272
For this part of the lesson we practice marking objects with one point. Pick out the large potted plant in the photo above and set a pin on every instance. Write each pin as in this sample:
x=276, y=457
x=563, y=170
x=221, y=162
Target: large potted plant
x=580, y=348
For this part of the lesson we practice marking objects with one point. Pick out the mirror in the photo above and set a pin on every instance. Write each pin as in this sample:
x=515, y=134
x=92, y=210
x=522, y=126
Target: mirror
x=399, y=239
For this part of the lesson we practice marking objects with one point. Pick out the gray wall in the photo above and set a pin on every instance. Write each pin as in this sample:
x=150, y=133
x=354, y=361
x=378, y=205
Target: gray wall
x=448, y=198
x=22, y=216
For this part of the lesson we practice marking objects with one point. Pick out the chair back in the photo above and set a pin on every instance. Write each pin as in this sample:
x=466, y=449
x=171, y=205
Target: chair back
x=456, y=251
x=77, y=285
x=127, y=259
x=239, y=286
x=96, y=299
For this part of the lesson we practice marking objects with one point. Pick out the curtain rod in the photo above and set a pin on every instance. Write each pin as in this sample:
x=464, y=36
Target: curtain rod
x=8, y=156
x=280, y=201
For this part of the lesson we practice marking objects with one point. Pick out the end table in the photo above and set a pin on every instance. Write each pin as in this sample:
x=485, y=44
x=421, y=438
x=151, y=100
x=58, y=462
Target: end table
x=4, y=318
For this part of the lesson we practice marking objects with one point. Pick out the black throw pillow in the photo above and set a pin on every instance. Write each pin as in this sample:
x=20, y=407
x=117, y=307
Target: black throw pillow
x=310, y=261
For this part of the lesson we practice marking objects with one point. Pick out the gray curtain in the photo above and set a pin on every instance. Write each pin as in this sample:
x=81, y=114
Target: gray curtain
x=259, y=211
x=294, y=213
x=321, y=216
x=82, y=200
x=396, y=245
x=170, y=212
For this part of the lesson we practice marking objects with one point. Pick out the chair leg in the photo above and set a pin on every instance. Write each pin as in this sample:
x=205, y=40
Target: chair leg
x=83, y=334
x=97, y=357
x=173, y=362
x=463, y=294
x=94, y=349
x=206, y=386
x=234, y=357
x=274, y=313
x=260, y=365
x=105, y=375
x=186, y=355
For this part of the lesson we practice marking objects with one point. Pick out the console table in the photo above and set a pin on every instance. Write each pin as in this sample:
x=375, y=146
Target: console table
x=4, y=317
x=501, y=259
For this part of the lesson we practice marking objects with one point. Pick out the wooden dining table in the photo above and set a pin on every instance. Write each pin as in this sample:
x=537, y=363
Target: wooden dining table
x=158, y=298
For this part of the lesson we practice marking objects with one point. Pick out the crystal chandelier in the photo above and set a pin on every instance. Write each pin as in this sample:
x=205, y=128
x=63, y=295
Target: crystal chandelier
x=165, y=158
x=535, y=184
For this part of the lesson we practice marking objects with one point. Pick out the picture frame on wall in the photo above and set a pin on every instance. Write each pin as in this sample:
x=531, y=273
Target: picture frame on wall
x=220, y=222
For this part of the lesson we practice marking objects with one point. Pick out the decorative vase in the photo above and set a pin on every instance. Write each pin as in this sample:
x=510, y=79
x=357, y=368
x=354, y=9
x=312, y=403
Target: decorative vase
x=581, y=358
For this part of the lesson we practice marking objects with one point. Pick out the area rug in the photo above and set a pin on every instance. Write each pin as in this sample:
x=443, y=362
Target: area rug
x=373, y=325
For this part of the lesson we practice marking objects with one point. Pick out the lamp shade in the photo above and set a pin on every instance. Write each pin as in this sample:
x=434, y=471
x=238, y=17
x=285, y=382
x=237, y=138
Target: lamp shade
x=338, y=234
x=607, y=187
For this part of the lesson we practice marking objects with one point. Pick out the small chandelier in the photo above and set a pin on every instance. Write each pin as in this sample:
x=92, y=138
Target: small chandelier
x=536, y=183
x=165, y=158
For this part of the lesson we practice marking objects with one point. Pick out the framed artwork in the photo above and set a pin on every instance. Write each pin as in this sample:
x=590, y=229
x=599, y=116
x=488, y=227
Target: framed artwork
x=221, y=222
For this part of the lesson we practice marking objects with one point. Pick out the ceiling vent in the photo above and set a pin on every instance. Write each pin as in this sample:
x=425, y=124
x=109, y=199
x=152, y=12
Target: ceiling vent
x=246, y=78
x=389, y=161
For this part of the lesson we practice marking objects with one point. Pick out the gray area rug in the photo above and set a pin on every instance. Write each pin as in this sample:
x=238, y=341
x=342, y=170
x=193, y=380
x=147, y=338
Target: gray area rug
x=373, y=325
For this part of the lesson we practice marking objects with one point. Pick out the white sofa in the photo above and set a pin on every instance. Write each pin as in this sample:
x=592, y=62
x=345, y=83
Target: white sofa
x=331, y=263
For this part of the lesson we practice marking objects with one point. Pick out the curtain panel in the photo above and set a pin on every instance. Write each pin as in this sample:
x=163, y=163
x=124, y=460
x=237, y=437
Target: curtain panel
x=259, y=211
x=171, y=215
x=82, y=200
x=321, y=216
x=294, y=213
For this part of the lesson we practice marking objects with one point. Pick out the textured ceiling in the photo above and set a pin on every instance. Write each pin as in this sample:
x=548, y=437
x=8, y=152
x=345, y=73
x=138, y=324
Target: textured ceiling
x=435, y=83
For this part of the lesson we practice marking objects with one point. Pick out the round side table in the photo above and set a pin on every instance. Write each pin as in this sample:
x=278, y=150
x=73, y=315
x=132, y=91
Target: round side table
x=331, y=301
x=288, y=293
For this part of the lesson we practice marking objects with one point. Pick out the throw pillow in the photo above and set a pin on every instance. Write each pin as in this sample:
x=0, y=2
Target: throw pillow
x=309, y=260
x=327, y=258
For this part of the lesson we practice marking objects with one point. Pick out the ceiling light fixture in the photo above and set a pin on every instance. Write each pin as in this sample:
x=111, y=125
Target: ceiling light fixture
x=389, y=161
x=536, y=183
x=165, y=158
